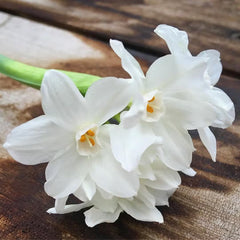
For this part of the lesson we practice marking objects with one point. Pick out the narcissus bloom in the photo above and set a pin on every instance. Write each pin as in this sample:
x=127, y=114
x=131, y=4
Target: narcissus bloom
x=176, y=95
x=158, y=182
x=70, y=136
x=177, y=42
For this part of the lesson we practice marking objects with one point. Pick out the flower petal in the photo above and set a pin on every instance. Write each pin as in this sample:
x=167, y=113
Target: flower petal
x=124, y=142
x=60, y=204
x=189, y=171
x=140, y=211
x=176, y=150
x=186, y=69
x=146, y=172
x=95, y=216
x=133, y=116
x=105, y=204
x=109, y=175
x=209, y=141
x=70, y=208
x=214, y=66
x=65, y=173
x=145, y=196
x=81, y=194
x=36, y=141
x=89, y=187
x=107, y=97
x=193, y=110
x=61, y=100
x=224, y=107
x=166, y=179
x=176, y=40
x=160, y=73
x=161, y=196
x=129, y=63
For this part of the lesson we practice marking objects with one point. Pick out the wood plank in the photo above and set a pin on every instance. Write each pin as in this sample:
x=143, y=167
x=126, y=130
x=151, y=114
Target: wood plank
x=204, y=207
x=210, y=24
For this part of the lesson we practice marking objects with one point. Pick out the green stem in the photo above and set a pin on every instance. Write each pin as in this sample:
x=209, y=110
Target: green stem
x=33, y=76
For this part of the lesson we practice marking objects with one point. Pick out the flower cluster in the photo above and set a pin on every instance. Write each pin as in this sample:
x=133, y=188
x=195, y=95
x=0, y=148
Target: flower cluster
x=131, y=166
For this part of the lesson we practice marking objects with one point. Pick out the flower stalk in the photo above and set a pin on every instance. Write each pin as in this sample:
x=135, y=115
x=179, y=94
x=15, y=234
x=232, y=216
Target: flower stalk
x=32, y=76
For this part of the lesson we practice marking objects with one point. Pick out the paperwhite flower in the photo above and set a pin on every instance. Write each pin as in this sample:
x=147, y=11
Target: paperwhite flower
x=177, y=42
x=175, y=96
x=159, y=108
x=157, y=183
x=70, y=136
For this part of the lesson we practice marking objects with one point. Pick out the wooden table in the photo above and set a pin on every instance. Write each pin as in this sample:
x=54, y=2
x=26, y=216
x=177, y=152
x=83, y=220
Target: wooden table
x=73, y=35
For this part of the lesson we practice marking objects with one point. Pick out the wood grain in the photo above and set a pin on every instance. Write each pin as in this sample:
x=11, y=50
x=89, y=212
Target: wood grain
x=204, y=207
x=210, y=24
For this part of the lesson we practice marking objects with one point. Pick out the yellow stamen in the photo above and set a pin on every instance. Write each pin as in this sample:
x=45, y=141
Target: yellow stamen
x=91, y=140
x=90, y=133
x=149, y=109
x=83, y=138
x=153, y=98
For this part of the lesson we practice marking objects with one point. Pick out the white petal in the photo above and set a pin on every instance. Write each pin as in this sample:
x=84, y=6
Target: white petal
x=189, y=171
x=109, y=175
x=191, y=72
x=145, y=196
x=193, y=109
x=146, y=172
x=107, y=97
x=61, y=100
x=89, y=187
x=224, y=107
x=176, y=40
x=140, y=211
x=70, y=208
x=188, y=74
x=160, y=73
x=214, y=66
x=105, y=204
x=176, y=150
x=162, y=196
x=37, y=141
x=133, y=116
x=105, y=194
x=95, y=216
x=81, y=194
x=209, y=141
x=129, y=63
x=65, y=173
x=166, y=179
x=124, y=142
x=60, y=204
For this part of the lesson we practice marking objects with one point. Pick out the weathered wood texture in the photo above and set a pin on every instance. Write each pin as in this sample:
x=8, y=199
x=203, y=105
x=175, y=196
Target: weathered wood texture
x=210, y=24
x=204, y=207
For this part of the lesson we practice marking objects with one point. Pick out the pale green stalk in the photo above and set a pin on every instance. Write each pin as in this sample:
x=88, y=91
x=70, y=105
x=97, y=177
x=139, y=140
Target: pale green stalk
x=32, y=76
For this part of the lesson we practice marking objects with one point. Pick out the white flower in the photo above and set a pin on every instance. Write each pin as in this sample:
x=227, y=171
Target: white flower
x=175, y=96
x=157, y=184
x=177, y=42
x=70, y=136
x=159, y=109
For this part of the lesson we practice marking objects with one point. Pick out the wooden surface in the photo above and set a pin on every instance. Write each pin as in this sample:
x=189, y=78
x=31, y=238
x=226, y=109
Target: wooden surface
x=204, y=207
x=210, y=24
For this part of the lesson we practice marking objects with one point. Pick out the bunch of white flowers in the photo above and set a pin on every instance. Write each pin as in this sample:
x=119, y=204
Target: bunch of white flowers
x=132, y=166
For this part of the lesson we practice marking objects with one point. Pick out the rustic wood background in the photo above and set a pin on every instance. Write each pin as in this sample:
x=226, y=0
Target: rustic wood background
x=73, y=35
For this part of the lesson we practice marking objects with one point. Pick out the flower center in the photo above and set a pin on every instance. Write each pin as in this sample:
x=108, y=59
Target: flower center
x=87, y=141
x=89, y=137
x=150, y=108
x=154, y=106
